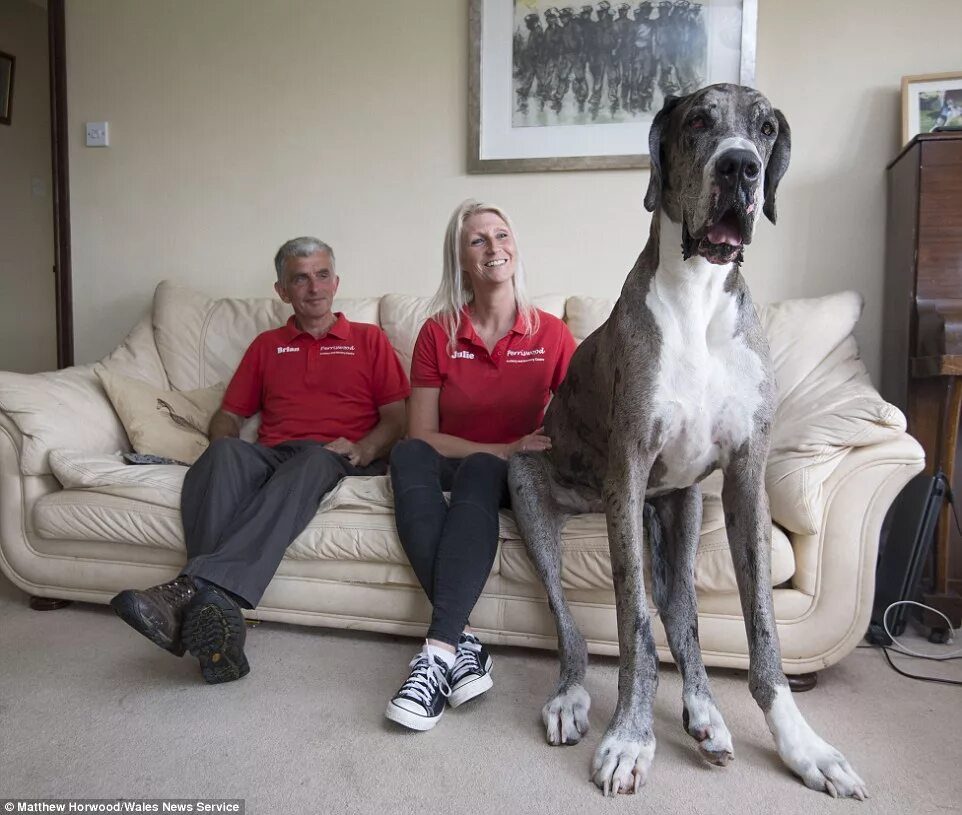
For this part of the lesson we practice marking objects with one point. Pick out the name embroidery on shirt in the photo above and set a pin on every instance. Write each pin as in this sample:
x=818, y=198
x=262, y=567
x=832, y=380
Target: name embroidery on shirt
x=287, y=349
x=532, y=355
x=333, y=350
x=462, y=355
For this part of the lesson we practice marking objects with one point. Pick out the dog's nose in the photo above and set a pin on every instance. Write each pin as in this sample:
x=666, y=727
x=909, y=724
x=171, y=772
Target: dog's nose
x=737, y=165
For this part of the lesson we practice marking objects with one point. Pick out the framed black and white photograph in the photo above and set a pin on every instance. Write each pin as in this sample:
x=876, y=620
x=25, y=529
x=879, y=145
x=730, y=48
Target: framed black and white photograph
x=930, y=101
x=556, y=87
x=7, y=63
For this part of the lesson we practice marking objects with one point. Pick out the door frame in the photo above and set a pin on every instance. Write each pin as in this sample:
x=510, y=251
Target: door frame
x=62, y=270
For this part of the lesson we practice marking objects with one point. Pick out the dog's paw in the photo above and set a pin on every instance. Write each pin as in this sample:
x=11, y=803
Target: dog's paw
x=810, y=757
x=705, y=724
x=622, y=765
x=565, y=716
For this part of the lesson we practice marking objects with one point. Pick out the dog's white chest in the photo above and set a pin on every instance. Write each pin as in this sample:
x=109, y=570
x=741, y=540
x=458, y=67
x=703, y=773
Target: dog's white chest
x=709, y=383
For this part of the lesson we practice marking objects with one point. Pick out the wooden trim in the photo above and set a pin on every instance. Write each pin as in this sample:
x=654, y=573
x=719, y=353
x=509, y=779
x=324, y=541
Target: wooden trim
x=946, y=365
x=8, y=119
x=56, y=30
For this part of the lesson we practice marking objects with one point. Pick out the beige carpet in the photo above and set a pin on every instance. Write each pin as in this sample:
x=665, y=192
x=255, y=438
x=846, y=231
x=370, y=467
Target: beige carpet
x=90, y=709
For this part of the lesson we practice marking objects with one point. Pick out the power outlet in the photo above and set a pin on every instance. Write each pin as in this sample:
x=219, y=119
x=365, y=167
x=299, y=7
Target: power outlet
x=97, y=134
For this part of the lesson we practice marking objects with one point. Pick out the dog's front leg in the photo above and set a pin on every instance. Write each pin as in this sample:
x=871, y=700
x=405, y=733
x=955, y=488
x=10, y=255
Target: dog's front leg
x=749, y=525
x=623, y=759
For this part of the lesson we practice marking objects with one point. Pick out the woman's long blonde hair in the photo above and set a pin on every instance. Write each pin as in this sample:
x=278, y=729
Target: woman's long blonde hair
x=455, y=291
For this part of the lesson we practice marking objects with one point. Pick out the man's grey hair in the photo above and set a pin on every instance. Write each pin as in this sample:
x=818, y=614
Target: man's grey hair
x=299, y=248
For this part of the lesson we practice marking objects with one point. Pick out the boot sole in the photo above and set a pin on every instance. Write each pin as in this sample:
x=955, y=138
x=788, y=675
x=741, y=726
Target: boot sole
x=128, y=607
x=210, y=635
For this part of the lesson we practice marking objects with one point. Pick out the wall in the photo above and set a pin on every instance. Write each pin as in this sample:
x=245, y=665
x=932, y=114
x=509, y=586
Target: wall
x=28, y=332
x=237, y=124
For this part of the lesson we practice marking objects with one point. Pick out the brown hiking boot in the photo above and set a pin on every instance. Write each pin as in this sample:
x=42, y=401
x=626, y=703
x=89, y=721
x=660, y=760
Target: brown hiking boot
x=157, y=612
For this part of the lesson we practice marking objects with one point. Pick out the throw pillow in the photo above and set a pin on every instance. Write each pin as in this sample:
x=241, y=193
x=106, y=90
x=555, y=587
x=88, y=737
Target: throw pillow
x=172, y=424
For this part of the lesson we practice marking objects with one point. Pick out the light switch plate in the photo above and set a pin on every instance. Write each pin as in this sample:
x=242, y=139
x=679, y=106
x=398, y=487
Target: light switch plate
x=97, y=134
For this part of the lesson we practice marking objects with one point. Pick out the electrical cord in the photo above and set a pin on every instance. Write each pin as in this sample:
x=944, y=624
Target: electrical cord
x=899, y=648
x=921, y=678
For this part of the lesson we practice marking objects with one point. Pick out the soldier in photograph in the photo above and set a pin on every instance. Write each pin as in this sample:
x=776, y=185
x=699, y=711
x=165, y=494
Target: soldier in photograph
x=624, y=51
x=602, y=54
x=570, y=49
x=553, y=47
x=643, y=66
x=530, y=61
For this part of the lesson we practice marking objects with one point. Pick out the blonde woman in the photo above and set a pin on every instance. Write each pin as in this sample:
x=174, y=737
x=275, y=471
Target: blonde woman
x=483, y=370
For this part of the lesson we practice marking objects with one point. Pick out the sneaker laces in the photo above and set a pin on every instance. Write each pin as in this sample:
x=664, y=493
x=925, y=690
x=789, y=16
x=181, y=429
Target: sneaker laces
x=427, y=674
x=466, y=661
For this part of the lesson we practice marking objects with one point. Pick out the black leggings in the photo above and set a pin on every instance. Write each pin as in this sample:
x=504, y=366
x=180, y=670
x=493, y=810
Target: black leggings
x=451, y=548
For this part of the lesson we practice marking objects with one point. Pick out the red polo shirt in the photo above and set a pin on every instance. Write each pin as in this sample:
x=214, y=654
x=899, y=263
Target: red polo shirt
x=492, y=398
x=317, y=389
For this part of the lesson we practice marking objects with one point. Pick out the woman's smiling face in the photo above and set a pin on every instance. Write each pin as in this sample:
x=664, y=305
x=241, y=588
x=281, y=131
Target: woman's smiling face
x=487, y=250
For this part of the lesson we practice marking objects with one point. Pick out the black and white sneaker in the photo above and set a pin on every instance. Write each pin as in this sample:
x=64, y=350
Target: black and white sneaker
x=471, y=674
x=420, y=702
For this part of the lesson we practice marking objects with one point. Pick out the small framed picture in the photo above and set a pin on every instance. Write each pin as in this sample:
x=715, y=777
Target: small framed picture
x=7, y=63
x=576, y=87
x=930, y=101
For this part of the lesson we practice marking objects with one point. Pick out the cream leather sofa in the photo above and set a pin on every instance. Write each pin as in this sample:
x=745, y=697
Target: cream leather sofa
x=76, y=523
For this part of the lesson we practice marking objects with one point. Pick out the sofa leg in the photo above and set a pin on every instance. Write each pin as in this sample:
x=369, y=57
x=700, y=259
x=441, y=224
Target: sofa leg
x=47, y=603
x=799, y=683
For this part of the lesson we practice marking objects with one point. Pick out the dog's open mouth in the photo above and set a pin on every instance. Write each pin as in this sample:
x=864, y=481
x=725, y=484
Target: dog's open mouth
x=719, y=242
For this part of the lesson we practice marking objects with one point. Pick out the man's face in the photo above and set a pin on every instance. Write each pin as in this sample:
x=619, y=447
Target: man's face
x=309, y=285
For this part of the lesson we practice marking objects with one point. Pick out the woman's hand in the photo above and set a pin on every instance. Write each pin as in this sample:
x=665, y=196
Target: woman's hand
x=536, y=442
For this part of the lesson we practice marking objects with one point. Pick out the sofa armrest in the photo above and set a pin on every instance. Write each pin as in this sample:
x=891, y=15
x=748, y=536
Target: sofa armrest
x=60, y=409
x=836, y=566
x=18, y=495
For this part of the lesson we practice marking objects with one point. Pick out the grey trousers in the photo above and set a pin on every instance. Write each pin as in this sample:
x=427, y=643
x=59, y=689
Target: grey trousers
x=242, y=505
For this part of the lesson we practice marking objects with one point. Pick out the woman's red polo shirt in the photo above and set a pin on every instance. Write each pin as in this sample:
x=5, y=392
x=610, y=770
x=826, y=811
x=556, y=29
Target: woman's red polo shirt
x=492, y=398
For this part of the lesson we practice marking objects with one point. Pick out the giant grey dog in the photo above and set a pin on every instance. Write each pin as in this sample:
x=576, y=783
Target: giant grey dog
x=677, y=383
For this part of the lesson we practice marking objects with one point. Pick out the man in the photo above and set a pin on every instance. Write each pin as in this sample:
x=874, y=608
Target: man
x=531, y=61
x=331, y=395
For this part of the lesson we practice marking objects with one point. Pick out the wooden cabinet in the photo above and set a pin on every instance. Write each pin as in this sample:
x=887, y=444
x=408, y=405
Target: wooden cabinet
x=922, y=326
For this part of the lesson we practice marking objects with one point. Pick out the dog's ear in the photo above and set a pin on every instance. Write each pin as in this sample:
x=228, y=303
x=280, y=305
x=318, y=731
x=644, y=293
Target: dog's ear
x=653, y=196
x=777, y=164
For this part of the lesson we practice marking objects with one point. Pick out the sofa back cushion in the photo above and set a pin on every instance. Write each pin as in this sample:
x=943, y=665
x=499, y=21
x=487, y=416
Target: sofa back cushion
x=201, y=340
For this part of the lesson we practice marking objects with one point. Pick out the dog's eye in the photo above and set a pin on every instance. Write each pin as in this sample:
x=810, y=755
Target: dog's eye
x=768, y=129
x=698, y=123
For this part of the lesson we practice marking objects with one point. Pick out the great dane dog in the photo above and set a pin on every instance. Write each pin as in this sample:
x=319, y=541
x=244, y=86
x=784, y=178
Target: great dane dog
x=677, y=383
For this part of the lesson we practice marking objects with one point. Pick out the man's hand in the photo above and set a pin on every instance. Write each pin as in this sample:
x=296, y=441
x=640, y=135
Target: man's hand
x=355, y=453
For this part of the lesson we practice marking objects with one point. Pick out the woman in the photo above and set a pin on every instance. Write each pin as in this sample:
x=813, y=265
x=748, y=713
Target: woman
x=483, y=370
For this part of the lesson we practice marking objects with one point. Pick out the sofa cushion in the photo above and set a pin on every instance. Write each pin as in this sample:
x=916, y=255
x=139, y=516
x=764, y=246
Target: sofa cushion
x=60, y=409
x=159, y=422
x=107, y=500
x=826, y=402
x=201, y=340
x=402, y=316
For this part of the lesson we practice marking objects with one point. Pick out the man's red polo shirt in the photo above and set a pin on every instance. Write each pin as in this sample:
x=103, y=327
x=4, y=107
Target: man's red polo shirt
x=492, y=398
x=317, y=389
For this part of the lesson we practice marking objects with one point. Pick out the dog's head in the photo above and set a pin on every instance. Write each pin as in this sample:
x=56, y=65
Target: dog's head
x=717, y=156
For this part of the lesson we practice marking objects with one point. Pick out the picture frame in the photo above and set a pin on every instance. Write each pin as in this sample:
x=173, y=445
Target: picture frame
x=929, y=100
x=8, y=63
x=528, y=112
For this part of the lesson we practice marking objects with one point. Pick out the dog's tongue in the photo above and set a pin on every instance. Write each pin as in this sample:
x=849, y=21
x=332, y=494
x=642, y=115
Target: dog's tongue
x=725, y=232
